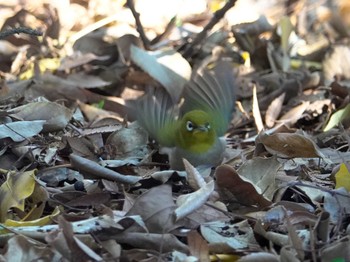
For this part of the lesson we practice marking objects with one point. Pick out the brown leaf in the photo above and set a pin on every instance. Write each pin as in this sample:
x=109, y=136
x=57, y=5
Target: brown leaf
x=295, y=240
x=337, y=62
x=94, y=199
x=338, y=249
x=126, y=147
x=227, y=179
x=56, y=115
x=20, y=248
x=78, y=250
x=261, y=172
x=160, y=242
x=92, y=113
x=78, y=59
x=274, y=110
x=198, y=246
x=288, y=145
x=156, y=207
x=294, y=114
x=55, y=88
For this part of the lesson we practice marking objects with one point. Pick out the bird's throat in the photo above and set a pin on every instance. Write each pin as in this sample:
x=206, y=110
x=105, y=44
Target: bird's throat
x=200, y=148
x=196, y=144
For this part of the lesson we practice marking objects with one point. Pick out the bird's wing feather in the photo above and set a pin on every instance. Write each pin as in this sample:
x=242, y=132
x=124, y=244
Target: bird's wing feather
x=212, y=92
x=156, y=113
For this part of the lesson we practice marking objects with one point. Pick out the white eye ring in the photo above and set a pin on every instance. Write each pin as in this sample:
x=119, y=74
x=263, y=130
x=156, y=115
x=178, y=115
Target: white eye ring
x=189, y=126
x=207, y=125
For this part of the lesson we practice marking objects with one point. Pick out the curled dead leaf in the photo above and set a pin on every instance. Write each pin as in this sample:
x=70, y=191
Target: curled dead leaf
x=228, y=180
x=194, y=178
x=91, y=167
x=191, y=202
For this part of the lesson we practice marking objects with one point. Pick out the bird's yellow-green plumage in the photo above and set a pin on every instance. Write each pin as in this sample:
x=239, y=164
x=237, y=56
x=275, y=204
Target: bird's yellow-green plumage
x=195, y=133
x=194, y=129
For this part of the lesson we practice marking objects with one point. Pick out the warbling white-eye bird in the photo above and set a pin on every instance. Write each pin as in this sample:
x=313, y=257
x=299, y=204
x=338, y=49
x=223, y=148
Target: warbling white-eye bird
x=195, y=129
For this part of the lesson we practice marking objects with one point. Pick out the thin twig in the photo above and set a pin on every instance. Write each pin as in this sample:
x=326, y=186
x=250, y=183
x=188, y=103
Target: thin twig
x=216, y=18
x=93, y=27
x=139, y=27
x=18, y=30
x=166, y=32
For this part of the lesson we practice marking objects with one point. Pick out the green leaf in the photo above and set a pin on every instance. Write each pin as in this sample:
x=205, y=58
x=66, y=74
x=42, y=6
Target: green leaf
x=338, y=117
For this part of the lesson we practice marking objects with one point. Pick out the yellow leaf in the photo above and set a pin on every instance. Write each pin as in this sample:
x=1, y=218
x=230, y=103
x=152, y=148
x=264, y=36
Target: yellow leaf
x=45, y=64
x=17, y=187
x=224, y=257
x=342, y=177
x=37, y=222
x=35, y=207
x=215, y=5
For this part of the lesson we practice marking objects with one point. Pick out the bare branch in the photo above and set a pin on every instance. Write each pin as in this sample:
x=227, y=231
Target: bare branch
x=216, y=18
x=139, y=27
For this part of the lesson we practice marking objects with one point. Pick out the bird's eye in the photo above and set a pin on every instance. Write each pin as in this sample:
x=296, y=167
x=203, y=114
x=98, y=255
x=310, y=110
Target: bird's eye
x=207, y=125
x=189, y=126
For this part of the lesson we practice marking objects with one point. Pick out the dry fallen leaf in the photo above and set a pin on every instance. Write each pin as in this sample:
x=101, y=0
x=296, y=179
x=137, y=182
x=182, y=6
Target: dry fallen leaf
x=198, y=246
x=228, y=180
x=21, y=248
x=55, y=115
x=19, y=131
x=287, y=145
x=274, y=110
x=235, y=235
x=294, y=114
x=78, y=59
x=95, y=170
x=287, y=207
x=194, y=178
x=156, y=207
x=190, y=202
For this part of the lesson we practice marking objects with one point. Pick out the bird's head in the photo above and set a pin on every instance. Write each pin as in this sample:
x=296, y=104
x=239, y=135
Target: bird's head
x=195, y=132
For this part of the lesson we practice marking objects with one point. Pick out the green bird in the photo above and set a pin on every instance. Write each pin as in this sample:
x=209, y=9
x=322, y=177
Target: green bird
x=195, y=129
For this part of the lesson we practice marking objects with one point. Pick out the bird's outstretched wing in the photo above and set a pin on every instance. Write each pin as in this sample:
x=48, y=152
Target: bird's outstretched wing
x=156, y=113
x=212, y=92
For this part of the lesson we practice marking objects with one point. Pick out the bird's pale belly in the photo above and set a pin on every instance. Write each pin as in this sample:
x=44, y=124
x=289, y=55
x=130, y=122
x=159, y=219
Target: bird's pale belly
x=212, y=157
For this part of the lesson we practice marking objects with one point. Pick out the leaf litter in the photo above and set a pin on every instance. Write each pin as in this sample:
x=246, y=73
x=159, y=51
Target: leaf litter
x=80, y=181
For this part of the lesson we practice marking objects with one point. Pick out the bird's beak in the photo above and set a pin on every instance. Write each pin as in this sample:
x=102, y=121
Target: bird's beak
x=202, y=128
